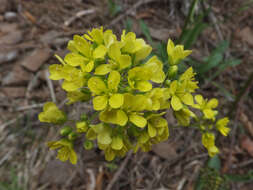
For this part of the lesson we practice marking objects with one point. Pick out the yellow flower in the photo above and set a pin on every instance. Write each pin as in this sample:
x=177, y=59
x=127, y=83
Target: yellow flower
x=221, y=125
x=65, y=152
x=155, y=124
x=138, y=79
x=117, y=61
x=73, y=77
x=155, y=67
x=176, y=53
x=75, y=96
x=114, y=116
x=106, y=94
x=179, y=95
x=83, y=54
x=187, y=80
x=51, y=114
x=206, y=106
x=158, y=99
x=81, y=126
x=183, y=116
x=208, y=142
x=136, y=47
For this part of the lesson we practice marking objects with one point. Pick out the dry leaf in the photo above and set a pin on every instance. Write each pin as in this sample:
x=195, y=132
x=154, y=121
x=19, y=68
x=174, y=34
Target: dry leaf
x=33, y=61
x=247, y=144
x=247, y=124
x=14, y=92
x=165, y=150
x=246, y=34
x=18, y=76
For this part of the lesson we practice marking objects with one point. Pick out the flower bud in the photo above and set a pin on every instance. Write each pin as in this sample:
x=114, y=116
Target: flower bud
x=65, y=130
x=84, y=117
x=72, y=136
x=167, y=82
x=173, y=71
x=88, y=145
x=81, y=126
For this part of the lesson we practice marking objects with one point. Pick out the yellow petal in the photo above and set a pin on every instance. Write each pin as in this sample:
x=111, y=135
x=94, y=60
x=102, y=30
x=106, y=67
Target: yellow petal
x=151, y=131
x=99, y=102
x=213, y=103
x=138, y=120
x=187, y=99
x=143, y=53
x=116, y=100
x=143, y=86
x=176, y=103
x=99, y=52
x=109, y=154
x=103, y=69
x=72, y=157
x=117, y=143
x=199, y=99
x=173, y=87
x=208, y=139
x=124, y=61
x=170, y=47
x=75, y=59
x=82, y=45
x=104, y=138
x=89, y=67
x=212, y=151
x=96, y=85
x=121, y=118
x=113, y=80
x=210, y=114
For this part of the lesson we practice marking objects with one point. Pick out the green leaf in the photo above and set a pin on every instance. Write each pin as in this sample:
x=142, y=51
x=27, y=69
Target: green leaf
x=145, y=31
x=191, y=35
x=162, y=53
x=223, y=66
x=224, y=91
x=129, y=25
x=214, y=163
x=214, y=59
x=240, y=178
x=114, y=8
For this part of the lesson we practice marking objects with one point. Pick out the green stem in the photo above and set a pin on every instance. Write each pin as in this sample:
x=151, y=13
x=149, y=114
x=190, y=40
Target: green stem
x=241, y=94
x=188, y=19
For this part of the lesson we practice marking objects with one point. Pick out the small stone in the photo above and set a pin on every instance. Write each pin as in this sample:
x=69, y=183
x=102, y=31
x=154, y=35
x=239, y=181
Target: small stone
x=3, y=5
x=13, y=37
x=14, y=92
x=18, y=76
x=34, y=61
x=7, y=27
x=10, y=16
x=7, y=56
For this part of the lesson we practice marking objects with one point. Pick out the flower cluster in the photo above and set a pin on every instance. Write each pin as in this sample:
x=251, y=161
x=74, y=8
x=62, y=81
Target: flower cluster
x=130, y=93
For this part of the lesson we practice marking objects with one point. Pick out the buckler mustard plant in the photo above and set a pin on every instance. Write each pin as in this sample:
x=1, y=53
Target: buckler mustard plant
x=130, y=93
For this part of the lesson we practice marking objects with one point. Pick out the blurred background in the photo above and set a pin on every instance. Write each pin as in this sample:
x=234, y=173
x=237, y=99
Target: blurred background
x=220, y=33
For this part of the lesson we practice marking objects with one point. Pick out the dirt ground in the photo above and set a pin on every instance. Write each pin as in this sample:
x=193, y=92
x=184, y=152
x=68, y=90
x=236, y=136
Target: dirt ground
x=32, y=31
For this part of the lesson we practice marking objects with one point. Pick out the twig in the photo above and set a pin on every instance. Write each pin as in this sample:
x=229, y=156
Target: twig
x=181, y=184
x=243, y=164
x=78, y=15
x=129, y=11
x=29, y=107
x=9, y=122
x=92, y=184
x=119, y=171
x=50, y=86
